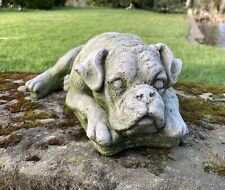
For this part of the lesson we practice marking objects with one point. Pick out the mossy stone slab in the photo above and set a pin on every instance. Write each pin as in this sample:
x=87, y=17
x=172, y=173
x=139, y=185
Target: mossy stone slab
x=155, y=140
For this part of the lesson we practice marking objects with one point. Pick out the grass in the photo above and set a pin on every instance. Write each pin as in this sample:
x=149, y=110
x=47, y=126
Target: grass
x=36, y=39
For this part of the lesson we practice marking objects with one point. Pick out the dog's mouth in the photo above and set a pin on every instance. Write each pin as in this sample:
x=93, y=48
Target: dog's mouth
x=145, y=125
x=145, y=121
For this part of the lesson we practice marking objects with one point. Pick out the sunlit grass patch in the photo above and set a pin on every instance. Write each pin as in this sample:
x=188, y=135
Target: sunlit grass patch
x=41, y=37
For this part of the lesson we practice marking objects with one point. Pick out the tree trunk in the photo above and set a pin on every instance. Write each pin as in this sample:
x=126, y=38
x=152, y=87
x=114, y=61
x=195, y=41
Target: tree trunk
x=188, y=4
x=222, y=6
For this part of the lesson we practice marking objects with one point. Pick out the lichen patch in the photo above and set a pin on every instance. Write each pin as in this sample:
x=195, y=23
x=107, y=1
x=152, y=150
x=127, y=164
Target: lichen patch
x=215, y=166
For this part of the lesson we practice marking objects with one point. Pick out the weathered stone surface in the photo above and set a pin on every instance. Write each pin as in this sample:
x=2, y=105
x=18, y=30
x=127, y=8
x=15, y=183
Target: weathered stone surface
x=36, y=153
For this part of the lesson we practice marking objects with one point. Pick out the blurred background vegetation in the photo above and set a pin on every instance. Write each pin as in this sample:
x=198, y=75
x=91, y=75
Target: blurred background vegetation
x=157, y=5
x=34, y=4
x=33, y=40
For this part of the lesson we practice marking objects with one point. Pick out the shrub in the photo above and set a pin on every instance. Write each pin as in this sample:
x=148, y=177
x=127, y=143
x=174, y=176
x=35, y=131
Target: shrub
x=146, y=4
x=39, y=4
x=60, y=2
x=122, y=3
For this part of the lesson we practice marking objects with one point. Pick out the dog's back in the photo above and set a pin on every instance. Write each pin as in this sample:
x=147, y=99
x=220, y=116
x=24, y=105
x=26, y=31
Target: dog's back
x=109, y=41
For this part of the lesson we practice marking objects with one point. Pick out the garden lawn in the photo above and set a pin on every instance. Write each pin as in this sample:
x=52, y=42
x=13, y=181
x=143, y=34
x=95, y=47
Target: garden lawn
x=34, y=40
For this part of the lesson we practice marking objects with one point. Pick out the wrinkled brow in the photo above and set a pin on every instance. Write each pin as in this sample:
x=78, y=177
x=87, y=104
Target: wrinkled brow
x=150, y=70
x=123, y=65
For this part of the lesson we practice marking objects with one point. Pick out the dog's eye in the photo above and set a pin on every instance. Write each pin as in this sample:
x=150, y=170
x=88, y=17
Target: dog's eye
x=118, y=84
x=158, y=84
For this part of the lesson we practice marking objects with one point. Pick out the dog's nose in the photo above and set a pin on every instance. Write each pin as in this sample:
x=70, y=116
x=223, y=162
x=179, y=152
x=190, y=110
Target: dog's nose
x=145, y=95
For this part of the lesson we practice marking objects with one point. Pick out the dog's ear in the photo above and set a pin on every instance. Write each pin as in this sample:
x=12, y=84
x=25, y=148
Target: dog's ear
x=92, y=69
x=173, y=66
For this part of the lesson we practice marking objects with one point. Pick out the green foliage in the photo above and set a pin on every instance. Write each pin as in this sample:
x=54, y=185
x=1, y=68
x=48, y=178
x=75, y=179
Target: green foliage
x=122, y=3
x=39, y=4
x=147, y=4
x=6, y=2
x=60, y=2
x=35, y=4
x=208, y=5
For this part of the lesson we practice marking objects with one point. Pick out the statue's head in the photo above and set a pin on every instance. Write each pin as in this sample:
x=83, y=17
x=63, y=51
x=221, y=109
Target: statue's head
x=130, y=84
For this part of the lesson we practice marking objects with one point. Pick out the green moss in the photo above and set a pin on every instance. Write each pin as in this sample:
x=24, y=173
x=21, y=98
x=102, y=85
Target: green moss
x=22, y=104
x=31, y=116
x=33, y=124
x=200, y=112
x=215, y=167
x=83, y=119
x=26, y=121
x=99, y=98
x=5, y=86
x=7, y=130
x=200, y=88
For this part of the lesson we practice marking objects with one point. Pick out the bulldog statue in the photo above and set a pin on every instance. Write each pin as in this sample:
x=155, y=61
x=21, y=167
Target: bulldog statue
x=120, y=89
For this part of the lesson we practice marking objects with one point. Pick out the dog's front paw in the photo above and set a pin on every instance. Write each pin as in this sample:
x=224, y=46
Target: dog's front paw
x=175, y=127
x=98, y=131
x=43, y=84
x=66, y=83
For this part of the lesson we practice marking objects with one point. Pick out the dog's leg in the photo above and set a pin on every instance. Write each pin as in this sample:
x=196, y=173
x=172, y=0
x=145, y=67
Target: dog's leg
x=174, y=123
x=52, y=79
x=98, y=127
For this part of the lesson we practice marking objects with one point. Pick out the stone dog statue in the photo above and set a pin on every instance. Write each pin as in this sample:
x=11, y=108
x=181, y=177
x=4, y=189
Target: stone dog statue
x=120, y=89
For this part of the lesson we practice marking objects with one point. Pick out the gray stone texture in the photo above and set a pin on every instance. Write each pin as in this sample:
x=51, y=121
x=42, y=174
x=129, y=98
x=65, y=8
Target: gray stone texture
x=44, y=147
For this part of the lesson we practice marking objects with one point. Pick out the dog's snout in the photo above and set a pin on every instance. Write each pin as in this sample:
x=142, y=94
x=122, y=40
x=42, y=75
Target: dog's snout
x=145, y=95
